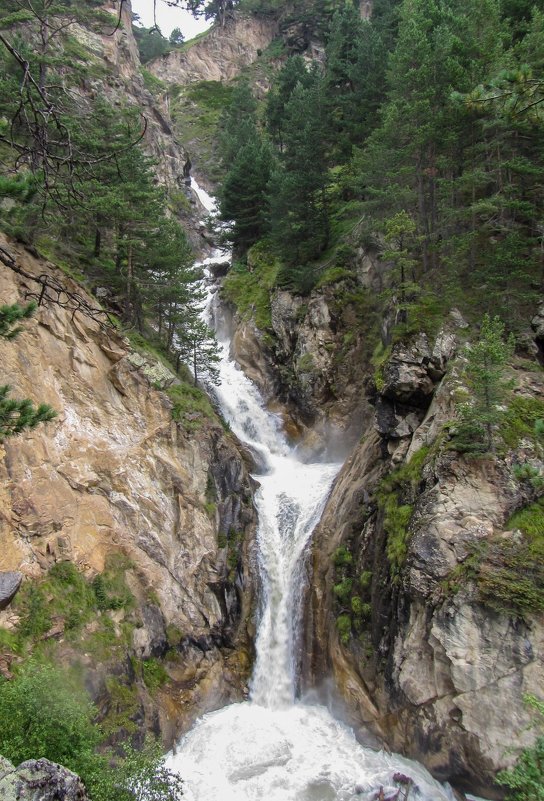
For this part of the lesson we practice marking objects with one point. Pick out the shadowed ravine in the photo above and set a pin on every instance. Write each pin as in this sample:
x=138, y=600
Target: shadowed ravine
x=274, y=746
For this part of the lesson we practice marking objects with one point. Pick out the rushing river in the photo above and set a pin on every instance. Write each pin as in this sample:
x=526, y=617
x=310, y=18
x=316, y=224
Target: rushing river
x=274, y=747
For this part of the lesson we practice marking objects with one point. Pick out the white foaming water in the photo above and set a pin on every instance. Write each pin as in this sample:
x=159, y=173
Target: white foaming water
x=273, y=747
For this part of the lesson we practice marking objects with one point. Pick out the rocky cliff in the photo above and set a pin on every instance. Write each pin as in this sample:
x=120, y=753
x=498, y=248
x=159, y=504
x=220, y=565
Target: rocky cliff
x=118, y=488
x=418, y=573
x=113, y=52
x=220, y=55
x=416, y=597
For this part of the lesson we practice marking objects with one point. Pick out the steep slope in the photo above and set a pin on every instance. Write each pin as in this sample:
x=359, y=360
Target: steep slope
x=118, y=488
x=220, y=55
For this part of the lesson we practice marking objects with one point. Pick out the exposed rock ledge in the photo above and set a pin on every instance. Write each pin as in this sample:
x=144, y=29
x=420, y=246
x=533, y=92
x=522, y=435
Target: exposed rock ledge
x=113, y=473
x=218, y=56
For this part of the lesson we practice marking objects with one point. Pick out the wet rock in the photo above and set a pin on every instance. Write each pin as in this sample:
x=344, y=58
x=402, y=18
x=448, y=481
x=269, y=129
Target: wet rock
x=406, y=376
x=39, y=780
x=10, y=581
x=395, y=421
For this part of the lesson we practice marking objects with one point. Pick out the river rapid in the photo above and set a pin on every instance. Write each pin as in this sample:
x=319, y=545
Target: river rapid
x=275, y=746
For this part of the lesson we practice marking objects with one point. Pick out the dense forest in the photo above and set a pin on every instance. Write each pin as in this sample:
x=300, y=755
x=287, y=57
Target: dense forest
x=417, y=135
x=421, y=133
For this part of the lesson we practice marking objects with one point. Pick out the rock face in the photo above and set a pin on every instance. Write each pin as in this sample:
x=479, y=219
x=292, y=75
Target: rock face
x=432, y=671
x=311, y=366
x=220, y=55
x=39, y=780
x=118, y=53
x=113, y=473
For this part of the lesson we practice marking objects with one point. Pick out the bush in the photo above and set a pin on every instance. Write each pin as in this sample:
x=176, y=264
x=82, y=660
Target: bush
x=343, y=625
x=525, y=781
x=45, y=712
x=342, y=557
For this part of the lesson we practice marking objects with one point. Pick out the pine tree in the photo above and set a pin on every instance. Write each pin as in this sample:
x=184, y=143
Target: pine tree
x=488, y=389
x=244, y=195
x=401, y=239
x=298, y=188
x=18, y=415
x=354, y=80
x=293, y=72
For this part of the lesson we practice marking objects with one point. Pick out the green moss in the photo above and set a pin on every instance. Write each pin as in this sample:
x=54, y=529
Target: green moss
x=396, y=520
x=306, y=363
x=211, y=508
x=191, y=406
x=521, y=420
x=249, y=288
x=234, y=543
x=511, y=579
x=508, y=573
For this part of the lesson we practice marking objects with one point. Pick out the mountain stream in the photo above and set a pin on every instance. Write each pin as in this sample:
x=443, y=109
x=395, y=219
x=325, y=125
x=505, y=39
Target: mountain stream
x=275, y=746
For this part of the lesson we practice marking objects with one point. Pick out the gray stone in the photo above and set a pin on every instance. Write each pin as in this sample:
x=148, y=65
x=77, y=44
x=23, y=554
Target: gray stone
x=39, y=780
x=9, y=585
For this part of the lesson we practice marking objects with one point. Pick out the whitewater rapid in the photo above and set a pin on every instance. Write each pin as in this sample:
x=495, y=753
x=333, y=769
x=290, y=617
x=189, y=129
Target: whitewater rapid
x=275, y=747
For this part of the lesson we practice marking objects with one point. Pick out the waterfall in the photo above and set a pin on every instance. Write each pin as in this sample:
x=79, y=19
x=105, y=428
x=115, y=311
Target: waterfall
x=274, y=747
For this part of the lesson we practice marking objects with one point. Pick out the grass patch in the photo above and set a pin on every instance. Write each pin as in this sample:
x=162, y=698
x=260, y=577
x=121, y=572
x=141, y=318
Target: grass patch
x=396, y=495
x=196, y=111
x=249, y=288
x=508, y=573
x=191, y=406
x=66, y=595
x=152, y=83
x=530, y=521
x=520, y=419
x=154, y=675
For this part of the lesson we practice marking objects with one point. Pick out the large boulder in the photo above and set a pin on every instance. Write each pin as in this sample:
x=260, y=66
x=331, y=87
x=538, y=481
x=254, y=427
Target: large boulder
x=10, y=581
x=39, y=780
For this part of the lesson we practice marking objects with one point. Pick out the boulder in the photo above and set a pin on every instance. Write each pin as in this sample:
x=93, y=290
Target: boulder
x=10, y=582
x=39, y=780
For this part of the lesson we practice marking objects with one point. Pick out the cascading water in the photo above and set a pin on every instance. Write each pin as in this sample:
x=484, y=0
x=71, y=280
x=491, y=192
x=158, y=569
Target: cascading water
x=274, y=747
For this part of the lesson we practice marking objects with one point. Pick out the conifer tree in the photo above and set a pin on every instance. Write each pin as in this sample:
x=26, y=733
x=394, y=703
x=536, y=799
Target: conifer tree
x=484, y=376
x=298, y=188
x=18, y=415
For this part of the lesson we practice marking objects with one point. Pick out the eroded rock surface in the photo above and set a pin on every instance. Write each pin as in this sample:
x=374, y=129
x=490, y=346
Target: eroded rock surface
x=113, y=473
x=433, y=672
x=220, y=55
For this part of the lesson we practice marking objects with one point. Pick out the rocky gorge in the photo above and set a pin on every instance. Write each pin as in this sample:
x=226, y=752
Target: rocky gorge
x=418, y=628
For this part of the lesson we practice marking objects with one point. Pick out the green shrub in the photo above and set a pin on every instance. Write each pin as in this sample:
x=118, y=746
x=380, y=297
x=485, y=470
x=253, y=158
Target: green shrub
x=343, y=590
x=154, y=674
x=44, y=711
x=525, y=781
x=343, y=626
x=342, y=557
x=365, y=579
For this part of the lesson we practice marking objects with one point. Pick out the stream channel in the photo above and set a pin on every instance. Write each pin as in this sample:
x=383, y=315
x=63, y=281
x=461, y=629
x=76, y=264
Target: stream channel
x=275, y=746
